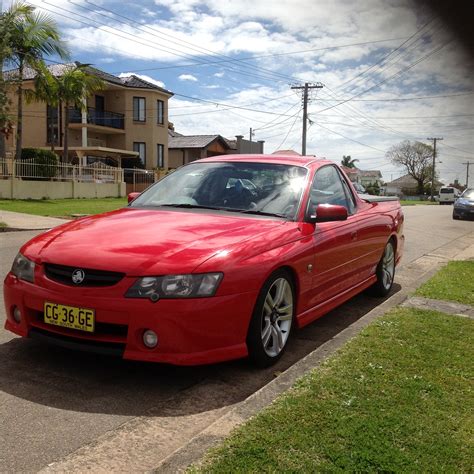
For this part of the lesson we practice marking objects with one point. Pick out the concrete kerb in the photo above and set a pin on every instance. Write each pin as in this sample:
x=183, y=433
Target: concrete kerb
x=194, y=450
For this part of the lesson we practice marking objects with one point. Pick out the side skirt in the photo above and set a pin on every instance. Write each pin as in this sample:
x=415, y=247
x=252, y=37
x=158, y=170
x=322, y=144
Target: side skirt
x=316, y=312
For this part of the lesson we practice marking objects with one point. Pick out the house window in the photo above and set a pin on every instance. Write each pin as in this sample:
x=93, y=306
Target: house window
x=139, y=109
x=52, y=125
x=140, y=147
x=160, y=112
x=160, y=152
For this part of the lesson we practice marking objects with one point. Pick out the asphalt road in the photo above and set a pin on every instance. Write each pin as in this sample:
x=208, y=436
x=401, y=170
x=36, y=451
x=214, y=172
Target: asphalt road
x=54, y=401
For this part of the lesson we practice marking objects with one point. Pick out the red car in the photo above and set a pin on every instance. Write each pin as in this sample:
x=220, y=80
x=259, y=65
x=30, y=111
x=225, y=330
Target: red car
x=219, y=260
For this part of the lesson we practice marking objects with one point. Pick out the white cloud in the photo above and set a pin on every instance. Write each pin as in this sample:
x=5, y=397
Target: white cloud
x=219, y=74
x=187, y=77
x=144, y=77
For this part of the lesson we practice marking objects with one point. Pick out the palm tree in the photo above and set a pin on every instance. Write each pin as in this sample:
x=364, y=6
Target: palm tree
x=8, y=20
x=34, y=36
x=72, y=89
x=348, y=162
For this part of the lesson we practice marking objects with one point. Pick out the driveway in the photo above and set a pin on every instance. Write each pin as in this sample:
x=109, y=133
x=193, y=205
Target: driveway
x=130, y=415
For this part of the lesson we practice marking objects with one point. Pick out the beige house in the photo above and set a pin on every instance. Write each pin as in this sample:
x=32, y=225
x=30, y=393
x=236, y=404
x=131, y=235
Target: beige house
x=129, y=118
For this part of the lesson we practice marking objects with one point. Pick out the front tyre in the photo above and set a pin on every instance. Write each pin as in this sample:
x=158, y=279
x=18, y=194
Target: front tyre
x=272, y=320
x=385, y=272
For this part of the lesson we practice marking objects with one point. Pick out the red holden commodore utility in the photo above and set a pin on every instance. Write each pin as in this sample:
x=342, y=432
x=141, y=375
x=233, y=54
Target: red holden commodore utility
x=219, y=260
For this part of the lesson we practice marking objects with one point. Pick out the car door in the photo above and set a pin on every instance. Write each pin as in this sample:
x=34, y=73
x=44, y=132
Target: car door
x=337, y=263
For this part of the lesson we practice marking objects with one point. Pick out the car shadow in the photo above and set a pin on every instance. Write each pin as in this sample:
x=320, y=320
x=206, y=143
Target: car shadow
x=83, y=382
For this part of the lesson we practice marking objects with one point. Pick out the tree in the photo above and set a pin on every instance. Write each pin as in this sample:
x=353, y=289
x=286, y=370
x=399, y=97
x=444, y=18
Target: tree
x=348, y=162
x=70, y=89
x=416, y=157
x=32, y=37
x=8, y=20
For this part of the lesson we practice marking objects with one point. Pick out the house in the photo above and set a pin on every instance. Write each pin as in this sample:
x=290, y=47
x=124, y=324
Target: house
x=352, y=173
x=240, y=146
x=186, y=148
x=129, y=118
x=368, y=177
x=405, y=185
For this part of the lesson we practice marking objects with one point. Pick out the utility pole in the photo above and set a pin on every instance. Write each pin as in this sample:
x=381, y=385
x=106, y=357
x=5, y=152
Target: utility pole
x=467, y=171
x=434, y=140
x=251, y=136
x=305, y=90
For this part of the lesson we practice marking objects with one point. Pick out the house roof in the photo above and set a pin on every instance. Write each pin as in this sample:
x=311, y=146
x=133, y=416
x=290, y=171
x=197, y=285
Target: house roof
x=348, y=170
x=286, y=152
x=193, y=141
x=59, y=69
x=370, y=173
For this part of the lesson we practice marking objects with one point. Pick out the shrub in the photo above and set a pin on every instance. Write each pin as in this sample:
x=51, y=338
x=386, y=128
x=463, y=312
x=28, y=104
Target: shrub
x=41, y=163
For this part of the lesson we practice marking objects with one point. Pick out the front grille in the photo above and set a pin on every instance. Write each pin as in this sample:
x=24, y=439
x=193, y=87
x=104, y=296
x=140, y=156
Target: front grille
x=63, y=274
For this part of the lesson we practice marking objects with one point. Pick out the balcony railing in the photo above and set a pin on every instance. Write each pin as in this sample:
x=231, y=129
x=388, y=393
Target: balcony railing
x=102, y=118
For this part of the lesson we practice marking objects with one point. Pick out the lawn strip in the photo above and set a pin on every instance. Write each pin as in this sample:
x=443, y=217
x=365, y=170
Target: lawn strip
x=398, y=397
x=62, y=207
x=406, y=202
x=454, y=282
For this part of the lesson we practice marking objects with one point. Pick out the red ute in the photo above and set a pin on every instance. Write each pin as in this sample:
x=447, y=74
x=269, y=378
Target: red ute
x=217, y=261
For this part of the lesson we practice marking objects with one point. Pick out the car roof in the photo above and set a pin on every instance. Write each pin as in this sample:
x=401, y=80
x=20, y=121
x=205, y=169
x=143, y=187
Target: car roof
x=295, y=160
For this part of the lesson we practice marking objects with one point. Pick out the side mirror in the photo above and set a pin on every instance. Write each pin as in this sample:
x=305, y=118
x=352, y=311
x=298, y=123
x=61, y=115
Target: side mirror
x=132, y=196
x=327, y=213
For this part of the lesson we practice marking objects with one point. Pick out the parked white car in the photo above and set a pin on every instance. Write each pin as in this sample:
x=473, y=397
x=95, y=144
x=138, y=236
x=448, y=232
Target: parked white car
x=447, y=195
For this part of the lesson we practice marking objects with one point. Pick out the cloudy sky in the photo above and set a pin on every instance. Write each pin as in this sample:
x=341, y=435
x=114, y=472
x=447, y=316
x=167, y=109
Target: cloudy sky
x=390, y=70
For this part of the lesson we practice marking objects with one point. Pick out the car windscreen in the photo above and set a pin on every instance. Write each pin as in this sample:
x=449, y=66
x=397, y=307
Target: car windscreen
x=468, y=194
x=253, y=188
x=446, y=191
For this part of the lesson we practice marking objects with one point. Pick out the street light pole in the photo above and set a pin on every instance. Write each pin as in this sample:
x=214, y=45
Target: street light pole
x=434, y=140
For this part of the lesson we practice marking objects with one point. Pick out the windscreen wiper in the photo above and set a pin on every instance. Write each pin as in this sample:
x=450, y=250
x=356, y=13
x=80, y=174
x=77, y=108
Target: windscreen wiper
x=256, y=212
x=192, y=206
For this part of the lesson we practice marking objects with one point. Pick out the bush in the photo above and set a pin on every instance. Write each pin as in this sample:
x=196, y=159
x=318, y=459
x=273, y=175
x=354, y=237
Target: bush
x=41, y=163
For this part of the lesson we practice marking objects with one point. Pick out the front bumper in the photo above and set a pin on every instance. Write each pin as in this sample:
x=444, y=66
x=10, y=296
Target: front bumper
x=190, y=331
x=464, y=212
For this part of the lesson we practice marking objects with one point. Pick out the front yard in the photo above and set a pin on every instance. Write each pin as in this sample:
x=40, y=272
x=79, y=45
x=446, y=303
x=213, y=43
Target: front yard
x=62, y=207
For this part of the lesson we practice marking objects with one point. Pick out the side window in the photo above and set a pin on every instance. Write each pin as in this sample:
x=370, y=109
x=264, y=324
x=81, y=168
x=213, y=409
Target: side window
x=327, y=188
x=349, y=195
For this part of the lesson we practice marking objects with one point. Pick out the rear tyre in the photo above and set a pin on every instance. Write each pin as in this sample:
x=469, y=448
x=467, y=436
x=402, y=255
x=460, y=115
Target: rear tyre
x=272, y=320
x=385, y=272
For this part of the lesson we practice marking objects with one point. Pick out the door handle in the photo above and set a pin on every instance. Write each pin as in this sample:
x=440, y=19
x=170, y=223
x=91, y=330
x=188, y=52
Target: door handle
x=354, y=235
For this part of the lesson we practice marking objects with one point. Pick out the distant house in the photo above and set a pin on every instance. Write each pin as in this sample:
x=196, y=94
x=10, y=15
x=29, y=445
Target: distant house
x=368, y=177
x=183, y=149
x=352, y=173
x=240, y=146
x=405, y=185
x=286, y=152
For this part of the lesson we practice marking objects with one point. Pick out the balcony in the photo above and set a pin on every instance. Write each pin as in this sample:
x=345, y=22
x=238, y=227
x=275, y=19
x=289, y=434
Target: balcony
x=102, y=118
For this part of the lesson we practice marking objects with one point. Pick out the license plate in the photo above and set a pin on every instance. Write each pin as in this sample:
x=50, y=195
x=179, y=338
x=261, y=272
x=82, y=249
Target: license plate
x=82, y=319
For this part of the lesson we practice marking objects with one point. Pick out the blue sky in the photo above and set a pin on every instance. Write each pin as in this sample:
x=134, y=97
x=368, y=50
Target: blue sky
x=390, y=71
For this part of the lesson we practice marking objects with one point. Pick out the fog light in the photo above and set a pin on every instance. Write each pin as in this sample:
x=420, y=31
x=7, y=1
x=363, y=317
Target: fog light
x=17, y=314
x=150, y=339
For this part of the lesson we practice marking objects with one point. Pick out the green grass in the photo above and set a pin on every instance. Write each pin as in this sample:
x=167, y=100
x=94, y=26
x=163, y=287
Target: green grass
x=3, y=225
x=397, y=398
x=405, y=202
x=454, y=282
x=62, y=207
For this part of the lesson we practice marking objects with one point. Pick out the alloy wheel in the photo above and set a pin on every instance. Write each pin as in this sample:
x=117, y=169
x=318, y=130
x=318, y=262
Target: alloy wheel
x=277, y=317
x=388, y=266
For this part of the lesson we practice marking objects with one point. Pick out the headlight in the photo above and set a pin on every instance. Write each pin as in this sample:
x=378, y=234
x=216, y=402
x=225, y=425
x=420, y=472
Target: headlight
x=23, y=268
x=175, y=286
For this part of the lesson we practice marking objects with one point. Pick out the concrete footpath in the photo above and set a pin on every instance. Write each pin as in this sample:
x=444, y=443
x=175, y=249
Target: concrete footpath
x=20, y=221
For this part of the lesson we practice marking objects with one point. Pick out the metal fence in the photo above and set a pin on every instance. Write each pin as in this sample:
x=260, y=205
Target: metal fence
x=50, y=171
x=138, y=180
